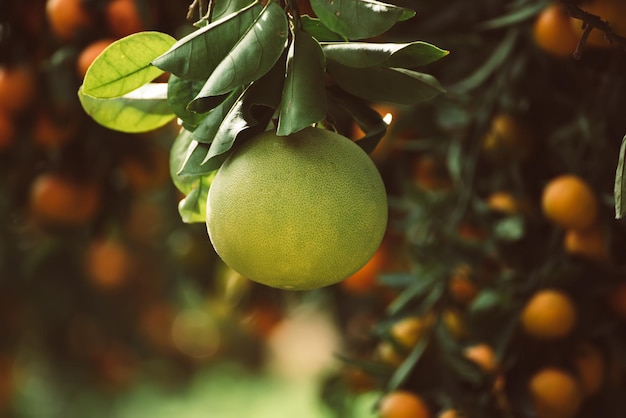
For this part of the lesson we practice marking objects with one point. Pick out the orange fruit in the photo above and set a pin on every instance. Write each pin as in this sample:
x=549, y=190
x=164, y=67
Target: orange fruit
x=612, y=11
x=365, y=280
x=461, y=287
x=297, y=212
x=124, y=17
x=553, y=32
x=483, y=355
x=149, y=173
x=590, y=367
x=408, y=331
x=57, y=199
x=51, y=132
x=450, y=413
x=17, y=87
x=589, y=243
x=429, y=173
x=454, y=320
x=89, y=54
x=403, y=404
x=569, y=202
x=68, y=19
x=108, y=263
x=504, y=202
x=507, y=138
x=549, y=314
x=555, y=393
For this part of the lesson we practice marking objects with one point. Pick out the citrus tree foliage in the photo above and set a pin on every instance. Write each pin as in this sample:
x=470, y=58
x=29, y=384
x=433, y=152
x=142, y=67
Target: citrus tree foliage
x=248, y=66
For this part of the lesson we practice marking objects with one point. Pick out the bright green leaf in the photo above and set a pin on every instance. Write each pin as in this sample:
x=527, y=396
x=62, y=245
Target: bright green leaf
x=196, y=56
x=125, y=65
x=179, y=93
x=384, y=84
x=359, y=19
x=362, y=54
x=142, y=110
x=253, y=56
x=318, y=30
x=304, y=93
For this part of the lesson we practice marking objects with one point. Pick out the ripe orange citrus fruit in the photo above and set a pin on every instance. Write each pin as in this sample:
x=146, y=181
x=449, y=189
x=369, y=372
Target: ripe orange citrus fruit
x=555, y=393
x=365, y=279
x=17, y=87
x=483, y=355
x=108, y=263
x=507, y=138
x=297, y=212
x=611, y=11
x=52, y=132
x=89, y=54
x=124, y=17
x=56, y=199
x=589, y=243
x=553, y=32
x=569, y=202
x=403, y=404
x=68, y=18
x=549, y=314
x=461, y=287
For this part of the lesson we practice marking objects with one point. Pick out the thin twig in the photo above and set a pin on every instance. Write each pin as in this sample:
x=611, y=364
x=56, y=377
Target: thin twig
x=191, y=9
x=590, y=22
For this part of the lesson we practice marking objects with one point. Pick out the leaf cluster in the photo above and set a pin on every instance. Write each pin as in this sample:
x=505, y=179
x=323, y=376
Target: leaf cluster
x=249, y=66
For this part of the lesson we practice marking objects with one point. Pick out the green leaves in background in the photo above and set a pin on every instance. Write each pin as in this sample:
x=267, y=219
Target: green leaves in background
x=141, y=110
x=359, y=19
x=196, y=56
x=304, y=96
x=125, y=65
x=362, y=54
x=319, y=31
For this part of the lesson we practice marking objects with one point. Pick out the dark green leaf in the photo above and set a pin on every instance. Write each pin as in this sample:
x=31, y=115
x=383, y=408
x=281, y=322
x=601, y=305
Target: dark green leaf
x=517, y=15
x=362, y=54
x=383, y=84
x=408, y=365
x=196, y=56
x=206, y=130
x=359, y=19
x=620, y=182
x=304, y=95
x=318, y=30
x=142, y=110
x=125, y=65
x=179, y=93
x=368, y=119
x=193, y=164
x=253, y=56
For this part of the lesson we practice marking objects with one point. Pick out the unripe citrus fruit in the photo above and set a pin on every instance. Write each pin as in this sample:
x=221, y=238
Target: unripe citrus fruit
x=569, y=202
x=297, y=212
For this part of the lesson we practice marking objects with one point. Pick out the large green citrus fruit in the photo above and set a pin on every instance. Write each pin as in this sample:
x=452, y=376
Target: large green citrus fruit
x=297, y=212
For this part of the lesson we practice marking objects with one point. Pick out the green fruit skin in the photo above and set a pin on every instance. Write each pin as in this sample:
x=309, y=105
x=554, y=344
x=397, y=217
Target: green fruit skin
x=298, y=212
